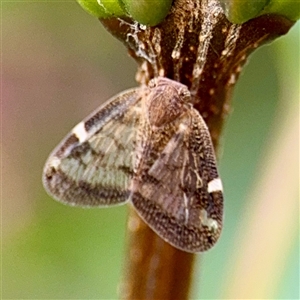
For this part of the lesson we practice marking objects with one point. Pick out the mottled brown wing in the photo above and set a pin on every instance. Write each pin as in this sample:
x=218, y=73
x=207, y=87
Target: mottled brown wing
x=93, y=165
x=177, y=190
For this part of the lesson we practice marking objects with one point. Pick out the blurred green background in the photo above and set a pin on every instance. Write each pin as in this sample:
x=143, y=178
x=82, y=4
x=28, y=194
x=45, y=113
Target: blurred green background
x=58, y=64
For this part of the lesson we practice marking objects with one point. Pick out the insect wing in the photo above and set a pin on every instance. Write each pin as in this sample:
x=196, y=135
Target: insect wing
x=93, y=165
x=179, y=193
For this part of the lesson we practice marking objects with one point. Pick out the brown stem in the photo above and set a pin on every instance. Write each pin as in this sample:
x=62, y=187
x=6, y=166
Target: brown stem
x=154, y=269
x=199, y=47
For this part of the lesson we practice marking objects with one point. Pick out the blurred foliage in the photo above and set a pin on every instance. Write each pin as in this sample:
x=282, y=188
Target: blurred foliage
x=58, y=65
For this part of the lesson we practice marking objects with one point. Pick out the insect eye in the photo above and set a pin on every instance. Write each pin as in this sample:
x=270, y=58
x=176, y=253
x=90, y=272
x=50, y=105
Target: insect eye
x=185, y=93
x=152, y=83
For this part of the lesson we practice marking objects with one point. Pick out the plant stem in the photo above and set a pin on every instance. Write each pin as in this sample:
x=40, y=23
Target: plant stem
x=155, y=273
x=199, y=47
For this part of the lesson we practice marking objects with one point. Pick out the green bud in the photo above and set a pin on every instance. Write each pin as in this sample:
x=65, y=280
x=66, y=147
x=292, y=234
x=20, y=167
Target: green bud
x=287, y=8
x=240, y=11
x=102, y=8
x=147, y=12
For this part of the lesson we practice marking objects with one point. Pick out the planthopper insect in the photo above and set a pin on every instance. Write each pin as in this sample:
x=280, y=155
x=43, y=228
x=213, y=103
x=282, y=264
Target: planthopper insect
x=150, y=147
